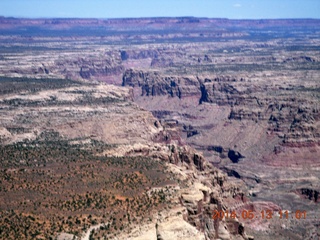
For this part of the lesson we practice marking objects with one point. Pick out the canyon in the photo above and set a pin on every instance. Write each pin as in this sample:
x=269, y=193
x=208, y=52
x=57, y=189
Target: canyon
x=164, y=120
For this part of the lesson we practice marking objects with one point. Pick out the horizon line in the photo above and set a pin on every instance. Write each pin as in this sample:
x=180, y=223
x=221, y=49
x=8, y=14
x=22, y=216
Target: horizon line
x=158, y=17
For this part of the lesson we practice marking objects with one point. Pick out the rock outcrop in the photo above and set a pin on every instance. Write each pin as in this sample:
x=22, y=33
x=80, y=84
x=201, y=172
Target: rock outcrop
x=154, y=84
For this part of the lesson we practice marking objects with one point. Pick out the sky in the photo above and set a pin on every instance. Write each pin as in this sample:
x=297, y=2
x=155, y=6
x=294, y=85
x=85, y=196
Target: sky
x=233, y=9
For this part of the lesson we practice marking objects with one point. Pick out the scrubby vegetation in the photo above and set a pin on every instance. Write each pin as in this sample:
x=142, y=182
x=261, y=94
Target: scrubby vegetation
x=52, y=185
x=27, y=85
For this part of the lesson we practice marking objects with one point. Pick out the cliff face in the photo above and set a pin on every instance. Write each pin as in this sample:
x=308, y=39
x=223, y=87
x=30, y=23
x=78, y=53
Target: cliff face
x=99, y=68
x=221, y=92
x=154, y=84
x=104, y=66
x=248, y=102
x=294, y=123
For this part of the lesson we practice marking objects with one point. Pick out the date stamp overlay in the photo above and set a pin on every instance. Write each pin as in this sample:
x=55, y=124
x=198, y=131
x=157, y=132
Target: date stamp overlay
x=264, y=214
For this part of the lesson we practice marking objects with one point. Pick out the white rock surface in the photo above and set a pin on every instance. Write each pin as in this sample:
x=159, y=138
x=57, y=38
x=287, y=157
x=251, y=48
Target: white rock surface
x=176, y=228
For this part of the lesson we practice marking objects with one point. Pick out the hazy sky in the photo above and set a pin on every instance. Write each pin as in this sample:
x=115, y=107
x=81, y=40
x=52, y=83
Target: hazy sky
x=236, y=9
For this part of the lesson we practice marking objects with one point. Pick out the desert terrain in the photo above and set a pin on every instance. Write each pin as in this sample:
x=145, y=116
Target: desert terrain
x=143, y=128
